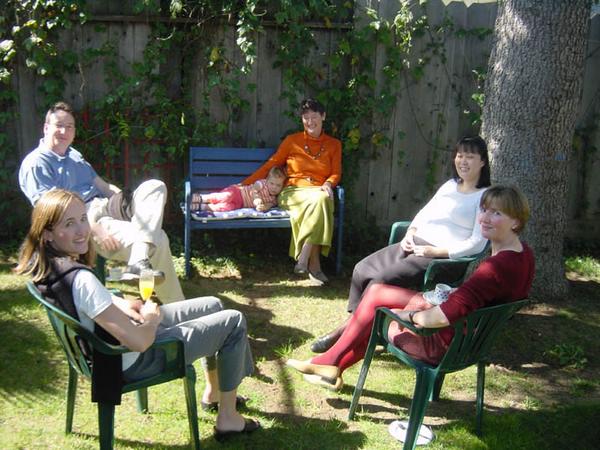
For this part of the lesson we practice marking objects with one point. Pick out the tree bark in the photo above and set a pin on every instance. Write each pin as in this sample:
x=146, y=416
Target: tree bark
x=532, y=95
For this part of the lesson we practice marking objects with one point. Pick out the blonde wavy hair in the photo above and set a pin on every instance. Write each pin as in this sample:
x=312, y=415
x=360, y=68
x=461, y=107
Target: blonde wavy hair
x=35, y=252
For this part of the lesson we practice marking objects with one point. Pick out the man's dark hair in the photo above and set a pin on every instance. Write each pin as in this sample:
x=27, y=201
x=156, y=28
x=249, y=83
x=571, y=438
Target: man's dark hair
x=59, y=106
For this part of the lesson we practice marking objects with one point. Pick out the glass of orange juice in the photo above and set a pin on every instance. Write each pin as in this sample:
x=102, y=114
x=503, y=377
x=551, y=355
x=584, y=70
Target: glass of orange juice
x=146, y=283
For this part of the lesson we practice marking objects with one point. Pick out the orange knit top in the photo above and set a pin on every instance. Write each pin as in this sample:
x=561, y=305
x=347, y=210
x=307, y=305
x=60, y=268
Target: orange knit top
x=309, y=161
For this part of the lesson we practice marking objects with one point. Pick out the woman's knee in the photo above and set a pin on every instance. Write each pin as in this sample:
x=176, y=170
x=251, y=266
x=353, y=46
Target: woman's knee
x=240, y=320
x=213, y=304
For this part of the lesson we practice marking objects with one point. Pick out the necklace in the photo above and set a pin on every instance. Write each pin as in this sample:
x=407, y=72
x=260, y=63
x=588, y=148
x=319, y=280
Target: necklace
x=309, y=153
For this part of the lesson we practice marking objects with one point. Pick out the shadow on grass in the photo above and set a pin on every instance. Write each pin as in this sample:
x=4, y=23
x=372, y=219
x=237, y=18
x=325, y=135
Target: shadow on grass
x=305, y=433
x=266, y=336
x=503, y=428
x=30, y=359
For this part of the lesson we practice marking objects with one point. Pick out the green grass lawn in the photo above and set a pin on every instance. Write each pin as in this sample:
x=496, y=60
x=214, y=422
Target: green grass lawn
x=542, y=391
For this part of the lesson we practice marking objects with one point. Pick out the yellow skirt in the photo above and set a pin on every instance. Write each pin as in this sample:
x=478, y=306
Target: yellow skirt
x=311, y=217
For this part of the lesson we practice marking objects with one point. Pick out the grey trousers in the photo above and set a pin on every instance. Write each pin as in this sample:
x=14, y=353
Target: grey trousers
x=391, y=265
x=206, y=330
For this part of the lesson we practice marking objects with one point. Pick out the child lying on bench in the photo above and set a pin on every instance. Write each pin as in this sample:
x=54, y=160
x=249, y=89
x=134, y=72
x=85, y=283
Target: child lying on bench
x=261, y=195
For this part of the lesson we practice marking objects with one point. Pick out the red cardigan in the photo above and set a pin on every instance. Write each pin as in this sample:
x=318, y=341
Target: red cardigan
x=502, y=278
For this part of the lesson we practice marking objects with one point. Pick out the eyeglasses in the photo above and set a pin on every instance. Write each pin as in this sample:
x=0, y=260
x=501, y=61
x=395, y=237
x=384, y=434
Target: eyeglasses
x=64, y=126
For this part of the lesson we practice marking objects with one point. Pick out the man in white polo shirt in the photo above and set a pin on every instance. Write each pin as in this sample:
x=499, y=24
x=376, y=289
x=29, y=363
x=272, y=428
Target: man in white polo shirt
x=125, y=226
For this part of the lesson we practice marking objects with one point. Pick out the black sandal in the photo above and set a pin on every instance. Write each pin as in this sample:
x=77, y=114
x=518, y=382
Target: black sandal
x=250, y=426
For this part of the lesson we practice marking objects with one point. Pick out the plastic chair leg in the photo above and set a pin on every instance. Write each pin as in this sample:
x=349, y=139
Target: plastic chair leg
x=423, y=387
x=479, y=401
x=71, y=393
x=437, y=387
x=142, y=400
x=106, y=425
x=363, y=375
x=189, y=383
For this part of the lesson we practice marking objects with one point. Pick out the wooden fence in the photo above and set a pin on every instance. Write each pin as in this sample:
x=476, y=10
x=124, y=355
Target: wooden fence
x=430, y=113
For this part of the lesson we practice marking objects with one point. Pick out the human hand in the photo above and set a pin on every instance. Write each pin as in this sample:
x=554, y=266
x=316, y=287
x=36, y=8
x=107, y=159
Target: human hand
x=130, y=307
x=150, y=311
x=259, y=205
x=407, y=243
x=328, y=189
x=428, y=251
x=106, y=242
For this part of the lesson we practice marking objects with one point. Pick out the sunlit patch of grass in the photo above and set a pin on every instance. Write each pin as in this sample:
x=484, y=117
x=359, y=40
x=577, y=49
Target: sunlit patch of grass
x=585, y=266
x=581, y=386
x=566, y=314
x=567, y=355
x=284, y=351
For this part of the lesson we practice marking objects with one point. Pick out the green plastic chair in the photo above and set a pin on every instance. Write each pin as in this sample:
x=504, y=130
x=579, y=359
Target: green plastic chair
x=70, y=333
x=471, y=344
x=100, y=268
x=432, y=274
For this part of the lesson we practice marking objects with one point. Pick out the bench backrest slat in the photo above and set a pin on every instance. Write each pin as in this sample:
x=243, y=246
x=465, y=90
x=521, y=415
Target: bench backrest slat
x=203, y=168
x=212, y=169
x=230, y=154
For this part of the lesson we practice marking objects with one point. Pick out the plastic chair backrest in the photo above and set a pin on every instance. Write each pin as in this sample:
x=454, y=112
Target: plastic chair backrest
x=475, y=334
x=397, y=232
x=76, y=340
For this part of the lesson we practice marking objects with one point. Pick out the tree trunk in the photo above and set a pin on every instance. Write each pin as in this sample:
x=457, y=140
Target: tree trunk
x=532, y=96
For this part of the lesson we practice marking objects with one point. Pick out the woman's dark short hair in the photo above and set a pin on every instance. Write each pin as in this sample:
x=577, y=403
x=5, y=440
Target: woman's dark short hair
x=474, y=144
x=310, y=104
x=510, y=200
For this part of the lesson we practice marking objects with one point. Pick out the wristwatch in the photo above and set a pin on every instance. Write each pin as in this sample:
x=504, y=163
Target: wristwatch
x=410, y=316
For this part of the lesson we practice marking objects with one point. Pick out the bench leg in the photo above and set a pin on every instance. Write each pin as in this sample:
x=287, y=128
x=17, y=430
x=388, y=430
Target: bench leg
x=187, y=240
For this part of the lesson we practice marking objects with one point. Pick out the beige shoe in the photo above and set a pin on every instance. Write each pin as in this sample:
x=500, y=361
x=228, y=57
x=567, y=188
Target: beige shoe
x=310, y=368
x=333, y=384
x=318, y=277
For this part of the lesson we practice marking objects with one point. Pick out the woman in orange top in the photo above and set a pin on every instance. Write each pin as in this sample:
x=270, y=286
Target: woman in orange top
x=313, y=163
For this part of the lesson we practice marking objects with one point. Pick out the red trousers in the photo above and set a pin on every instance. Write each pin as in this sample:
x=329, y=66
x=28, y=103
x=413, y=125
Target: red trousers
x=352, y=345
x=227, y=199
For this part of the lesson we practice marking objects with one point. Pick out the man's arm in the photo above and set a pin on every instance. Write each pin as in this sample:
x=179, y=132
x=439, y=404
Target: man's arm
x=107, y=189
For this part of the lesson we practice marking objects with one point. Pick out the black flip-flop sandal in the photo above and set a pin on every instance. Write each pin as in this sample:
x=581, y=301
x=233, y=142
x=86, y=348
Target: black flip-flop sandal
x=250, y=426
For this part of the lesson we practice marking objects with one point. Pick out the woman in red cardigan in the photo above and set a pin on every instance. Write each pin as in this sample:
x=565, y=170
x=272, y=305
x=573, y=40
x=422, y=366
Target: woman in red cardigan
x=313, y=162
x=504, y=277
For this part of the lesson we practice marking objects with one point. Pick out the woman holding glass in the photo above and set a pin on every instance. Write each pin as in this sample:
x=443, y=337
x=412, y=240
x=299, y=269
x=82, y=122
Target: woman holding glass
x=57, y=254
x=313, y=162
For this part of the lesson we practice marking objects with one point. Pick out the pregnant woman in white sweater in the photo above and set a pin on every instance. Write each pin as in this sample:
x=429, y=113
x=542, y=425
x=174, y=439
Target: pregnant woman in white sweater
x=446, y=227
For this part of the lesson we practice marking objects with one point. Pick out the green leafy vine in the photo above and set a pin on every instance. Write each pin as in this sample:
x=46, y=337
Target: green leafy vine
x=149, y=102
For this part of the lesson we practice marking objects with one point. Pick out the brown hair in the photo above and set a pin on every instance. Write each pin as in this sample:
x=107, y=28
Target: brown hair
x=59, y=106
x=277, y=171
x=35, y=252
x=510, y=200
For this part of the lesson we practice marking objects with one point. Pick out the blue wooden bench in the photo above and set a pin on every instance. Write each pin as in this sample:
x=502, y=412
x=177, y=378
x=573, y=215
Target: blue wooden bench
x=212, y=168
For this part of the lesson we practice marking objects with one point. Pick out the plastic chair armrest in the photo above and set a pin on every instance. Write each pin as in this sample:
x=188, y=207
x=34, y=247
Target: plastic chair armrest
x=398, y=231
x=393, y=317
x=434, y=267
